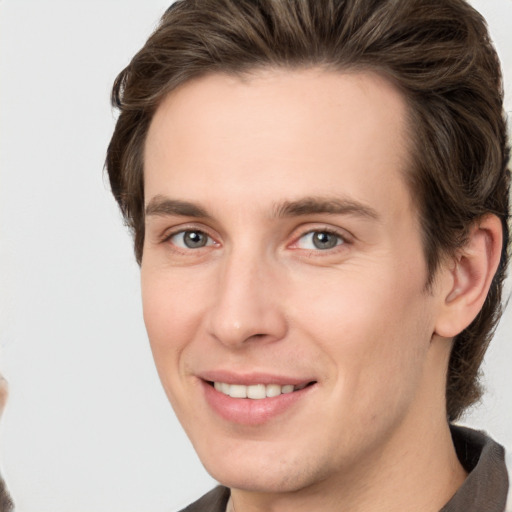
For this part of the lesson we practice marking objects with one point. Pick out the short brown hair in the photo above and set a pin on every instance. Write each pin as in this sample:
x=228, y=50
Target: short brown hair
x=437, y=52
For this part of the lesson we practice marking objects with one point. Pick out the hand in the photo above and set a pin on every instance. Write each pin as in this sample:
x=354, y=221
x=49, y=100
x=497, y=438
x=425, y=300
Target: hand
x=5, y=500
x=4, y=392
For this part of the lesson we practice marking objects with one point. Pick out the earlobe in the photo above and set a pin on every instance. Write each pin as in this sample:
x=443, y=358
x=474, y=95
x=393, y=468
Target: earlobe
x=469, y=276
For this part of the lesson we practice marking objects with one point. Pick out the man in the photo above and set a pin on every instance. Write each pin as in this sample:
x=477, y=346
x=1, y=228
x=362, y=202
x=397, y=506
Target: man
x=318, y=192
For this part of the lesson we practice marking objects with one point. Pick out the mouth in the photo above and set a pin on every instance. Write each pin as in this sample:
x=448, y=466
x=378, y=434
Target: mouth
x=257, y=391
x=256, y=398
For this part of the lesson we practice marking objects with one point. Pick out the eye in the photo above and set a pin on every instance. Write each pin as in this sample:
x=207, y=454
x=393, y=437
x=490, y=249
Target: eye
x=319, y=240
x=191, y=239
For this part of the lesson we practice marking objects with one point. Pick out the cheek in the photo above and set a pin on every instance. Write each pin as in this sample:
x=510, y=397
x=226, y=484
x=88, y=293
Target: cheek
x=172, y=312
x=172, y=302
x=361, y=306
x=171, y=316
x=376, y=333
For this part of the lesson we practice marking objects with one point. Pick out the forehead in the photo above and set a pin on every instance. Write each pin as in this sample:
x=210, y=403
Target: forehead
x=289, y=132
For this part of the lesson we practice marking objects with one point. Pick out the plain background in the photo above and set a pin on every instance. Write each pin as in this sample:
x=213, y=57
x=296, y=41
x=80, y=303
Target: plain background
x=87, y=427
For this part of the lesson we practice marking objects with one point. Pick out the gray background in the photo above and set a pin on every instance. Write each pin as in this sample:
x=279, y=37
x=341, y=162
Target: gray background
x=87, y=427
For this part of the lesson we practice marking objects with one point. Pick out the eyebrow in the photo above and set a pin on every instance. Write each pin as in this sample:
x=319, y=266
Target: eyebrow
x=162, y=206
x=330, y=205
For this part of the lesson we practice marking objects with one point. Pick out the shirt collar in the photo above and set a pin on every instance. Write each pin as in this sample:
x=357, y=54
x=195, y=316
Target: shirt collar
x=486, y=485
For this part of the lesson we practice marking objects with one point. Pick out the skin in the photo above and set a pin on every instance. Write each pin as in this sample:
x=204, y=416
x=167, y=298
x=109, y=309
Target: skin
x=5, y=500
x=356, y=318
x=3, y=393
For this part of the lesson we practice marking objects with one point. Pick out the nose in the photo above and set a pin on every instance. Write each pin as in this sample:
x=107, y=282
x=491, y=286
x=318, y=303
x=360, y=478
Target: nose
x=246, y=306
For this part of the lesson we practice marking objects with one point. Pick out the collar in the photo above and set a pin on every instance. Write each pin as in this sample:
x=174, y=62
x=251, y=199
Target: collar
x=486, y=486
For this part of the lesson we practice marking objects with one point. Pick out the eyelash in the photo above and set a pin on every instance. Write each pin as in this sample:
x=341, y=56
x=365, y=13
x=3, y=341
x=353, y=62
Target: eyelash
x=342, y=240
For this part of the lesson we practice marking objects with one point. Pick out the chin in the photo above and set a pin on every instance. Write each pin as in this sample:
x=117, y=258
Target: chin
x=262, y=470
x=262, y=481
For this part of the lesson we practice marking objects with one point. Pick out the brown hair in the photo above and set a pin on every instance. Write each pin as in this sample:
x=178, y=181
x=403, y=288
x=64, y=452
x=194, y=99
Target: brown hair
x=437, y=52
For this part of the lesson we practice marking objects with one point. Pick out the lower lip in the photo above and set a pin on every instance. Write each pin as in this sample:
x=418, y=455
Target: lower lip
x=246, y=411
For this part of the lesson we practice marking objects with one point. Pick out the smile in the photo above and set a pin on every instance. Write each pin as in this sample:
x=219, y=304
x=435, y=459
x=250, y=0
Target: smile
x=254, y=403
x=256, y=391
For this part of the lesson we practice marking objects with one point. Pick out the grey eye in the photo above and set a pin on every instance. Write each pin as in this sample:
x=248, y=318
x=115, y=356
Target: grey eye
x=191, y=239
x=324, y=240
x=320, y=240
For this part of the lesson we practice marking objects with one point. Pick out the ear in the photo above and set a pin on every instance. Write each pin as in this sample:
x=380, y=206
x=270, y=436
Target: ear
x=465, y=281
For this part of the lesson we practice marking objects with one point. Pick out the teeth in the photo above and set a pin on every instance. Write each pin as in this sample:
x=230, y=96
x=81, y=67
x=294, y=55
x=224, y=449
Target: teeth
x=238, y=391
x=273, y=390
x=255, y=391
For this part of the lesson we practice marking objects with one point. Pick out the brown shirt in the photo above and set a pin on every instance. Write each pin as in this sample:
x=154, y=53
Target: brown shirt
x=484, y=490
x=486, y=487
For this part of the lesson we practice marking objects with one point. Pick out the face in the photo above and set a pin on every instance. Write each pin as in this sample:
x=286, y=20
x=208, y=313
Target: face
x=283, y=275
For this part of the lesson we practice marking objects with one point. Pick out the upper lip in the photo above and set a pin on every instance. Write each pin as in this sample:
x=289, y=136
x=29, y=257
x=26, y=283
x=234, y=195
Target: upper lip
x=252, y=378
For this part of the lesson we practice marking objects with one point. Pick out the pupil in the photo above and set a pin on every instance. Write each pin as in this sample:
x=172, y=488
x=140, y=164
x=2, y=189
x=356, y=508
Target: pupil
x=194, y=239
x=324, y=240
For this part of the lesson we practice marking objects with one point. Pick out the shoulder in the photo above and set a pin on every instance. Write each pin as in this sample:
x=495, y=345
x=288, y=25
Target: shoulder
x=213, y=501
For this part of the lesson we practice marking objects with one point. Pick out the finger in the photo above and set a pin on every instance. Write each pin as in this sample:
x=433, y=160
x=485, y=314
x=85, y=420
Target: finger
x=4, y=392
